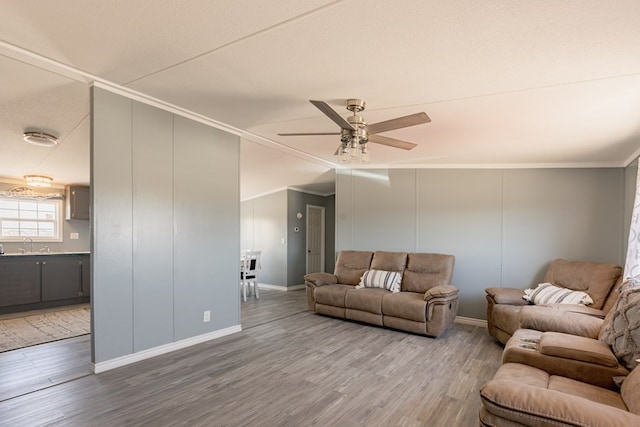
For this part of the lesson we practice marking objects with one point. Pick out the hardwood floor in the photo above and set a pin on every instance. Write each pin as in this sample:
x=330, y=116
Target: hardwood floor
x=288, y=367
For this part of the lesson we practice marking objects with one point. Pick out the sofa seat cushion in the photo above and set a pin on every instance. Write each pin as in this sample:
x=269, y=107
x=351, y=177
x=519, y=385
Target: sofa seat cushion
x=523, y=395
x=552, y=319
x=366, y=299
x=405, y=305
x=333, y=295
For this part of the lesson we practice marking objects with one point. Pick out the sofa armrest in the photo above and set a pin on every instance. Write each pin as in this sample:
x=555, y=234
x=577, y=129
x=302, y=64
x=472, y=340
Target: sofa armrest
x=547, y=319
x=442, y=292
x=320, y=279
x=511, y=296
x=577, y=348
x=526, y=404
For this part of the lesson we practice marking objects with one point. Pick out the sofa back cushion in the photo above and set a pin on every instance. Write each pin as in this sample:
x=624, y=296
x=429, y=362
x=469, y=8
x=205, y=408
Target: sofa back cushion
x=424, y=271
x=351, y=265
x=389, y=261
x=630, y=391
x=594, y=278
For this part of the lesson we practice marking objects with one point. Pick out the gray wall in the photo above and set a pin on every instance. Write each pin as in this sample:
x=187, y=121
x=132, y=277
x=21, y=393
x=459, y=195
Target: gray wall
x=81, y=227
x=297, y=201
x=267, y=224
x=503, y=226
x=165, y=243
x=264, y=228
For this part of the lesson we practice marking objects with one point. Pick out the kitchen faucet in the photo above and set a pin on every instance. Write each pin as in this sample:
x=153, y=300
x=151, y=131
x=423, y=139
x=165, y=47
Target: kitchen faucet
x=24, y=242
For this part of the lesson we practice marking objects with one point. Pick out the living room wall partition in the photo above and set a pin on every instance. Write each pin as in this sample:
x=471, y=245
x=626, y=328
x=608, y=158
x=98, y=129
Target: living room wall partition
x=504, y=226
x=165, y=230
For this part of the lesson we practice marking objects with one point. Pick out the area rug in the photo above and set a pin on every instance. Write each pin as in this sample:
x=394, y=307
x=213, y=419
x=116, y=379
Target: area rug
x=46, y=327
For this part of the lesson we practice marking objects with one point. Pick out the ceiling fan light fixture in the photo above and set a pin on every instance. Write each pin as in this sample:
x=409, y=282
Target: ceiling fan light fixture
x=40, y=139
x=38, y=180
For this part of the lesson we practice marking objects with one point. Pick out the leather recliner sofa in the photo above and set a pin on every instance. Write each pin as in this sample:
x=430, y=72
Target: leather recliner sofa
x=426, y=304
x=506, y=307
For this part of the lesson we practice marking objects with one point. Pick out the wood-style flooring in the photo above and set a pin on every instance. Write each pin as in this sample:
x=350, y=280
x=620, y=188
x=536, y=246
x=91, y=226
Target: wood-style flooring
x=288, y=367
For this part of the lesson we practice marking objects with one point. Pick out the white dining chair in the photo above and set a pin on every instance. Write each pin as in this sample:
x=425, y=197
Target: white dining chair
x=249, y=266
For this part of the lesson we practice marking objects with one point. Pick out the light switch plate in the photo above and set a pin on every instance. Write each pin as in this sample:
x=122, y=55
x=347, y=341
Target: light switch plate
x=74, y=236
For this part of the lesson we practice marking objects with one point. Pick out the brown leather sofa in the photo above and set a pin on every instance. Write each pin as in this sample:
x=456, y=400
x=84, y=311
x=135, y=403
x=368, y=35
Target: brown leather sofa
x=521, y=395
x=506, y=307
x=426, y=304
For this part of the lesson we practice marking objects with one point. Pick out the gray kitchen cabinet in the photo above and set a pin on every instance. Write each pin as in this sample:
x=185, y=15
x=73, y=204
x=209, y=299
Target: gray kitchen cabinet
x=61, y=278
x=77, y=202
x=19, y=282
x=86, y=275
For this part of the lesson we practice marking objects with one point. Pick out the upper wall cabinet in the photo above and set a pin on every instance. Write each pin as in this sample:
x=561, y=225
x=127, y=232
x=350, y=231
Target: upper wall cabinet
x=77, y=201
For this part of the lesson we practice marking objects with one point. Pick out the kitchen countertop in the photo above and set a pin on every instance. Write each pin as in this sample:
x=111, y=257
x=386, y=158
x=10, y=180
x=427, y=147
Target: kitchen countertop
x=18, y=254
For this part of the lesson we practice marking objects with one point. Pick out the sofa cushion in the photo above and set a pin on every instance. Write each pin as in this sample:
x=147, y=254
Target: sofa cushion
x=441, y=291
x=406, y=305
x=369, y=300
x=522, y=395
x=424, y=271
x=621, y=328
x=554, y=319
x=546, y=293
x=331, y=294
x=389, y=280
x=594, y=278
x=630, y=391
x=390, y=261
x=525, y=346
x=577, y=348
x=351, y=265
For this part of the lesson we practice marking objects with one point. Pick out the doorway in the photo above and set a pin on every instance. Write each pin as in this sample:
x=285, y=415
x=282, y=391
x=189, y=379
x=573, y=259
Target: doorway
x=315, y=238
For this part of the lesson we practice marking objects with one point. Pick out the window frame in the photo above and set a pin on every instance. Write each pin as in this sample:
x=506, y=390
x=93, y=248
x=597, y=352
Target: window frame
x=58, y=225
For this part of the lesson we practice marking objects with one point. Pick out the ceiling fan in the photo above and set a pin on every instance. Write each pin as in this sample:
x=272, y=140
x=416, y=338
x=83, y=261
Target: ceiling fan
x=355, y=132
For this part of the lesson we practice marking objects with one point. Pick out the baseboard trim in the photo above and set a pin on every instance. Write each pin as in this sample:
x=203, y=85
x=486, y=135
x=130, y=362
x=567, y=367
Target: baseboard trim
x=470, y=321
x=280, y=288
x=163, y=349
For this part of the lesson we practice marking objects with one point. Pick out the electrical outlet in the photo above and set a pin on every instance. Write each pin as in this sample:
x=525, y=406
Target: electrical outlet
x=74, y=236
x=207, y=316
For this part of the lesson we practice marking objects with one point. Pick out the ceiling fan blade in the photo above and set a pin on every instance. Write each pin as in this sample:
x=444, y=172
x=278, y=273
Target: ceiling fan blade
x=392, y=142
x=309, y=134
x=332, y=114
x=400, y=122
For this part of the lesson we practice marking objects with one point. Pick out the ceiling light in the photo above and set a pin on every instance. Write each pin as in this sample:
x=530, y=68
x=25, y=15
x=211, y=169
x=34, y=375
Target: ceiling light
x=38, y=180
x=40, y=138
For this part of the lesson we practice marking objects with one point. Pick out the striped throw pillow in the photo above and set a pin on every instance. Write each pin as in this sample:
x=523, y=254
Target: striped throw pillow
x=546, y=293
x=389, y=280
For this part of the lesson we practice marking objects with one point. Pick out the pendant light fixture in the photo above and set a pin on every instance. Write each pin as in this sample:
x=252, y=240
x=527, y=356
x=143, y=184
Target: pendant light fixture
x=38, y=180
x=40, y=138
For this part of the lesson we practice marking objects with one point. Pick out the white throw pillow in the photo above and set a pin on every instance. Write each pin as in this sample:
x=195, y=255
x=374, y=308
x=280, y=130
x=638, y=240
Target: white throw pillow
x=389, y=280
x=546, y=293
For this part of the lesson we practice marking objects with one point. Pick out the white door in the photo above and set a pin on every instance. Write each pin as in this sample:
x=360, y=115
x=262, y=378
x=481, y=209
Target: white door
x=315, y=239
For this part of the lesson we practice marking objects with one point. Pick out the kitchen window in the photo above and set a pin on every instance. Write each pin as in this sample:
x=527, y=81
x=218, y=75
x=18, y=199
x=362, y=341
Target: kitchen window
x=39, y=220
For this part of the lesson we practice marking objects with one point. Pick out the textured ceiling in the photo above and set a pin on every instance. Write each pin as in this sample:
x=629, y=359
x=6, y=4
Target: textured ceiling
x=506, y=84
